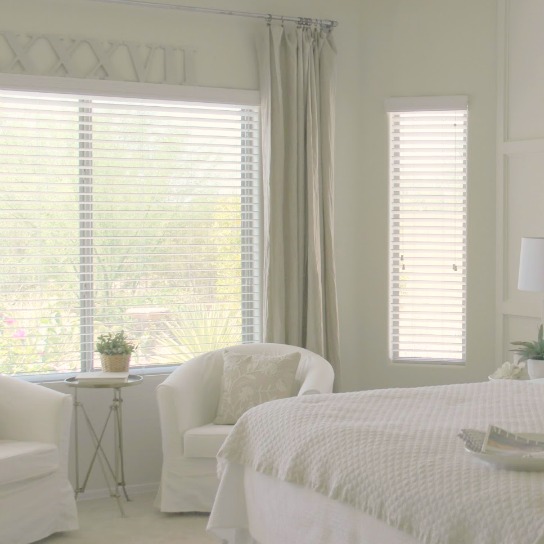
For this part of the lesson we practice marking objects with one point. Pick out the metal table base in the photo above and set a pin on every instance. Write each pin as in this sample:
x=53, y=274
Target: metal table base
x=114, y=474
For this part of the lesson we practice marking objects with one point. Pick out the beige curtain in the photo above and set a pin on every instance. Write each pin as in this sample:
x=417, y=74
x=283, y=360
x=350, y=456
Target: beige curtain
x=297, y=73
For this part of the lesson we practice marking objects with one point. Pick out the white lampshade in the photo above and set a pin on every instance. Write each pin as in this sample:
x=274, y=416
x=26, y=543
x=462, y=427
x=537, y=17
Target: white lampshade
x=531, y=265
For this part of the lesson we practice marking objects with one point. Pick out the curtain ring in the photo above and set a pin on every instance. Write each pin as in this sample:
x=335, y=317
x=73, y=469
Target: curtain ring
x=269, y=19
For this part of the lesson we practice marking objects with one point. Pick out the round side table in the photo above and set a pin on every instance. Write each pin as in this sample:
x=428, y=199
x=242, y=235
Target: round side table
x=112, y=474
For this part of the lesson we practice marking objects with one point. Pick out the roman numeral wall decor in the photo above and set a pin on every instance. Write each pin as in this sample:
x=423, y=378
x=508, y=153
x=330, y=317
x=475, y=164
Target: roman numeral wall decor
x=65, y=56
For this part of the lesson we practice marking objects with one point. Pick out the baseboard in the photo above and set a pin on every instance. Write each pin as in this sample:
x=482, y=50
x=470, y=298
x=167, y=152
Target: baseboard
x=135, y=489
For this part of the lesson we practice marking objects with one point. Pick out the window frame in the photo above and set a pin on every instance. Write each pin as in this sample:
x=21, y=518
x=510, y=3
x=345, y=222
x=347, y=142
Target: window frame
x=425, y=104
x=127, y=90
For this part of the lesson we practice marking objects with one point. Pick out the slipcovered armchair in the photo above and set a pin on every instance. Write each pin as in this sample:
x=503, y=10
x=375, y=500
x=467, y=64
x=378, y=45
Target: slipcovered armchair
x=36, y=498
x=188, y=401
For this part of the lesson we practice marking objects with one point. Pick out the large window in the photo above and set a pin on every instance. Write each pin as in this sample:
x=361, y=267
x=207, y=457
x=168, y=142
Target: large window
x=125, y=213
x=428, y=225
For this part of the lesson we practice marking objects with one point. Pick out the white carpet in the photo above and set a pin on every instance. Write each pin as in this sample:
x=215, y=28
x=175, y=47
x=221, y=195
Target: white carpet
x=100, y=522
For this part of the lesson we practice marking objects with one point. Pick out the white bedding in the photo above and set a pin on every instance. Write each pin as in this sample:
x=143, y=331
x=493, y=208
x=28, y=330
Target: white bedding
x=254, y=508
x=394, y=455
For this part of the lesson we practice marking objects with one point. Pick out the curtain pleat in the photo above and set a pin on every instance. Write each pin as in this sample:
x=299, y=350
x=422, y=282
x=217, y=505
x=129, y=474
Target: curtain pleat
x=297, y=76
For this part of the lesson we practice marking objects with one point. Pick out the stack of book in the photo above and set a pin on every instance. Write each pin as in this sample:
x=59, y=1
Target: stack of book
x=502, y=442
x=99, y=377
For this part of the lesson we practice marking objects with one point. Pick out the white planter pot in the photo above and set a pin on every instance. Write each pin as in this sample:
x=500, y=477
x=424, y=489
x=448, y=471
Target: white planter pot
x=535, y=368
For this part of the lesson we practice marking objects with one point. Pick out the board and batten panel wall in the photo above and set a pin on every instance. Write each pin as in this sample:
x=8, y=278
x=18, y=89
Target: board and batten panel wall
x=520, y=164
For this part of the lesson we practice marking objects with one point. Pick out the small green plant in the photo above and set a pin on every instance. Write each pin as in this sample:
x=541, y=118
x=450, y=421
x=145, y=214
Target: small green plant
x=115, y=344
x=531, y=350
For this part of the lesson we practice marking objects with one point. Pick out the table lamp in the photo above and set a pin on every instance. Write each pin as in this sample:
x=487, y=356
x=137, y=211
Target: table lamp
x=531, y=267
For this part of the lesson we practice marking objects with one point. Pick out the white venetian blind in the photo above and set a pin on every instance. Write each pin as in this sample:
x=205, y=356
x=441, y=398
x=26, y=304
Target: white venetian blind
x=428, y=228
x=125, y=213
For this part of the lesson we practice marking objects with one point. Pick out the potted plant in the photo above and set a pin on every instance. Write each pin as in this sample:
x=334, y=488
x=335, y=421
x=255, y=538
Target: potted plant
x=115, y=350
x=533, y=353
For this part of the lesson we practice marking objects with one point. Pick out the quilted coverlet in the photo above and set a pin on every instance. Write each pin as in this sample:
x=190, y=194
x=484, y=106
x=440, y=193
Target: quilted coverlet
x=395, y=455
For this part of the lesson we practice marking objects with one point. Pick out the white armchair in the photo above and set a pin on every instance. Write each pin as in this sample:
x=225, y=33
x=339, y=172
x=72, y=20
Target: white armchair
x=36, y=498
x=188, y=401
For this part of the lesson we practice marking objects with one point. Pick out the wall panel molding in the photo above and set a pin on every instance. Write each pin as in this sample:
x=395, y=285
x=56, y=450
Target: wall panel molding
x=502, y=168
x=520, y=164
x=523, y=146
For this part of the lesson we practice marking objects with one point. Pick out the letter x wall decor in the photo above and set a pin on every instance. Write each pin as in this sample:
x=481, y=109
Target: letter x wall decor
x=47, y=55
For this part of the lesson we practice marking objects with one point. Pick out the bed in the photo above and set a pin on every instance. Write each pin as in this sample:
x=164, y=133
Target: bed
x=383, y=466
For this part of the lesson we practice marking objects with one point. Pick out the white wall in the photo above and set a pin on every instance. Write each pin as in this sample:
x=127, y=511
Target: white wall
x=416, y=47
x=386, y=48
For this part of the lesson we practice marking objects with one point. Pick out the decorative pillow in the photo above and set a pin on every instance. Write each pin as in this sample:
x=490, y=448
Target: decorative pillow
x=249, y=380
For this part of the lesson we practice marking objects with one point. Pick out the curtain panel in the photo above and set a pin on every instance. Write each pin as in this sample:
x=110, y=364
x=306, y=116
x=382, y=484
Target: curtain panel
x=297, y=81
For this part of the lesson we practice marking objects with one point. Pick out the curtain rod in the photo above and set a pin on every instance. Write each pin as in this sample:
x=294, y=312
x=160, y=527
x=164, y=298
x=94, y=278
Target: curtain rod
x=327, y=23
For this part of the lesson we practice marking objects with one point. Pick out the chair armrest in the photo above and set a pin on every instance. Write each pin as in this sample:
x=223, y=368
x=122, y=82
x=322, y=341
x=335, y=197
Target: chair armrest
x=319, y=379
x=188, y=398
x=34, y=413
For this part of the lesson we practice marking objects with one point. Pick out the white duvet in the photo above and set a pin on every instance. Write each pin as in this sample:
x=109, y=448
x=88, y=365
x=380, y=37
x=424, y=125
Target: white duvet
x=394, y=454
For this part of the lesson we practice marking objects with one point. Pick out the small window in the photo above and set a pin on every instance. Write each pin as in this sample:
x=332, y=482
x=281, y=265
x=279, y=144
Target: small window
x=428, y=229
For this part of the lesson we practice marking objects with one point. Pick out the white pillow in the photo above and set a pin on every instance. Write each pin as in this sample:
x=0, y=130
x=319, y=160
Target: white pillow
x=249, y=380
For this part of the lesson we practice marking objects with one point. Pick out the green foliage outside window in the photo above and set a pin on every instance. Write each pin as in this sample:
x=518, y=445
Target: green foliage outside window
x=156, y=273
